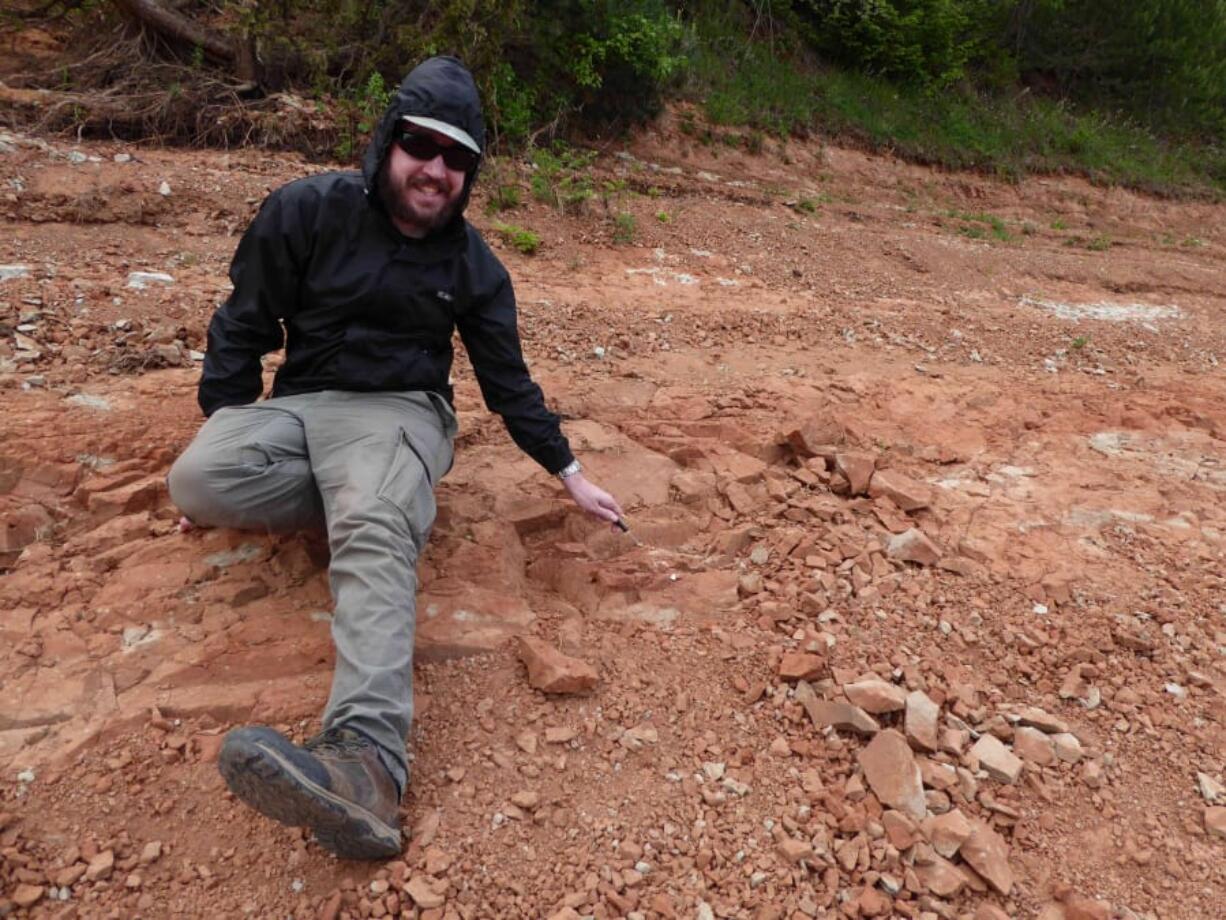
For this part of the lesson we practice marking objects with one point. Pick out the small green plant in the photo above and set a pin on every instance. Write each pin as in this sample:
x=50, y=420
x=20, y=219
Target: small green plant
x=611, y=192
x=623, y=227
x=1079, y=343
x=360, y=112
x=561, y=177
x=810, y=205
x=1100, y=243
x=664, y=217
x=1059, y=224
x=979, y=226
x=504, y=198
x=521, y=238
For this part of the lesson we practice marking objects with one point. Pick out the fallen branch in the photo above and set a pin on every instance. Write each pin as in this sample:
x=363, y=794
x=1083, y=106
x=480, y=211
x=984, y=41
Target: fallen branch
x=171, y=25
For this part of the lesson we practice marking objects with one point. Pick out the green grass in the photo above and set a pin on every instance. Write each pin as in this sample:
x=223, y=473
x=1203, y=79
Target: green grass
x=521, y=238
x=504, y=198
x=981, y=226
x=745, y=86
x=624, y=226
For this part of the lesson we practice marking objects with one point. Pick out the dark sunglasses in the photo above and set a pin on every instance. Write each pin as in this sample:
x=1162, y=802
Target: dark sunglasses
x=424, y=147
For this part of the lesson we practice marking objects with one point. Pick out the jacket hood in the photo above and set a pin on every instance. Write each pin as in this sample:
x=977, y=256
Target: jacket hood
x=439, y=87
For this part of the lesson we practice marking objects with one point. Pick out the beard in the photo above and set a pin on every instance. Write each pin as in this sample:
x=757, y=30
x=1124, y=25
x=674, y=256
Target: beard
x=398, y=205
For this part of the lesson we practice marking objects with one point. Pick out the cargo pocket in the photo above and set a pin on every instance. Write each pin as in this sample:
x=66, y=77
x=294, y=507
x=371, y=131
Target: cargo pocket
x=451, y=426
x=407, y=487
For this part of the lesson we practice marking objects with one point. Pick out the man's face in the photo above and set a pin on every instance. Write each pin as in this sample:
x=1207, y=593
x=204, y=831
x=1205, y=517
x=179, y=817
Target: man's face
x=421, y=195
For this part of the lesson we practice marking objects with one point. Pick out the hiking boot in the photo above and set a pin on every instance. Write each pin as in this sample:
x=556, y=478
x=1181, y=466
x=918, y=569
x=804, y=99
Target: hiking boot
x=335, y=784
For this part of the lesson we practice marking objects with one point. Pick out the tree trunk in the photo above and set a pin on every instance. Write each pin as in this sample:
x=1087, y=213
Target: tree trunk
x=171, y=25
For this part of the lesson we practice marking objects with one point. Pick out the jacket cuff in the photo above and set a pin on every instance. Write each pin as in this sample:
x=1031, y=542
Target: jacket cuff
x=554, y=458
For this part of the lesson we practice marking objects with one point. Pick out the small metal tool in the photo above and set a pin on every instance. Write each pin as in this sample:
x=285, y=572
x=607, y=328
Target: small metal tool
x=621, y=525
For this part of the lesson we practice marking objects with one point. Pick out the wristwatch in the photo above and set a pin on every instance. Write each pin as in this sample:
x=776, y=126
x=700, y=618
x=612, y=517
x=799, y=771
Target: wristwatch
x=569, y=470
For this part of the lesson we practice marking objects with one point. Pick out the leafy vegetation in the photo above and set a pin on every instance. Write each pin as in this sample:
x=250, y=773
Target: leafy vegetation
x=624, y=226
x=980, y=226
x=1136, y=97
x=520, y=238
x=561, y=178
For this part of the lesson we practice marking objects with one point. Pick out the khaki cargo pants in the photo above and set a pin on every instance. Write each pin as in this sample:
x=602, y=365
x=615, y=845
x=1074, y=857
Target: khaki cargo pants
x=363, y=466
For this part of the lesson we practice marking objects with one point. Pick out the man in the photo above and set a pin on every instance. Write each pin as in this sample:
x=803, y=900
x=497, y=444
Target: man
x=363, y=278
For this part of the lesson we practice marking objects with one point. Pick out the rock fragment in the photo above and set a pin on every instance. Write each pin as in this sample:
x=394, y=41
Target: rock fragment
x=100, y=866
x=815, y=437
x=826, y=714
x=991, y=755
x=794, y=850
x=70, y=875
x=947, y=832
x=941, y=877
x=892, y=774
x=553, y=672
x=913, y=546
x=1210, y=789
x=1079, y=907
x=921, y=721
x=876, y=696
x=526, y=799
x=900, y=830
x=1215, y=821
x=425, y=892
x=1043, y=721
x=141, y=280
x=561, y=734
x=634, y=738
x=1067, y=747
x=1034, y=746
x=801, y=666
x=986, y=852
x=28, y=895
x=857, y=468
x=905, y=492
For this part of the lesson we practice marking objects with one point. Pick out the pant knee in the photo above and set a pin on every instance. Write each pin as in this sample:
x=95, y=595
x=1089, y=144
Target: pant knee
x=190, y=485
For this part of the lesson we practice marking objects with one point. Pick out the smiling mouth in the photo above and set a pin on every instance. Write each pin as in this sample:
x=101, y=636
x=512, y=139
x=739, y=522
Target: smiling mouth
x=428, y=188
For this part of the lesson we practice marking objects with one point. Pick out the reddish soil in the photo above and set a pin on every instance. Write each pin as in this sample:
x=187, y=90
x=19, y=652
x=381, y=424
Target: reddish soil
x=1046, y=413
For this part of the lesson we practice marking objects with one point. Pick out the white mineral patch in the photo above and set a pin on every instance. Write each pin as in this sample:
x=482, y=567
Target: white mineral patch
x=141, y=280
x=89, y=402
x=1105, y=310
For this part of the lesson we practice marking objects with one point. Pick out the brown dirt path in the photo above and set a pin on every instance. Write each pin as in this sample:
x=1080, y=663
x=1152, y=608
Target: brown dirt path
x=1032, y=370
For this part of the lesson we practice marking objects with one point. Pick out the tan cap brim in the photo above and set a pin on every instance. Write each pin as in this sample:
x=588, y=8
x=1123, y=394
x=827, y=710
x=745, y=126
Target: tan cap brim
x=459, y=135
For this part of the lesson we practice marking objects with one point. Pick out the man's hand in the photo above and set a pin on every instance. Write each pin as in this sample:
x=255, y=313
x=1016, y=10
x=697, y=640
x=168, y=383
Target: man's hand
x=593, y=499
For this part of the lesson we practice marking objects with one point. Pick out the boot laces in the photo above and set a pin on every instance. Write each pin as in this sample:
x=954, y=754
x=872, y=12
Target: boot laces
x=340, y=741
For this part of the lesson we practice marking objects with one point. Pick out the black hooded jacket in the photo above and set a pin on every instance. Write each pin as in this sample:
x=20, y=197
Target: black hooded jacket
x=357, y=305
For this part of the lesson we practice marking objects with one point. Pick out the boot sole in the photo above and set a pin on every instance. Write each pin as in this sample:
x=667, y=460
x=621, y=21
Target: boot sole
x=262, y=778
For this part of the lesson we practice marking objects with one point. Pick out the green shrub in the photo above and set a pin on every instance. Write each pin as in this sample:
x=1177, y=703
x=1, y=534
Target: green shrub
x=562, y=178
x=624, y=226
x=521, y=238
x=921, y=42
x=504, y=198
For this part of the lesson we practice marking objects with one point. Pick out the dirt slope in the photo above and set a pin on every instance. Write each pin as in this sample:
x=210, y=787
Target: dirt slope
x=962, y=443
